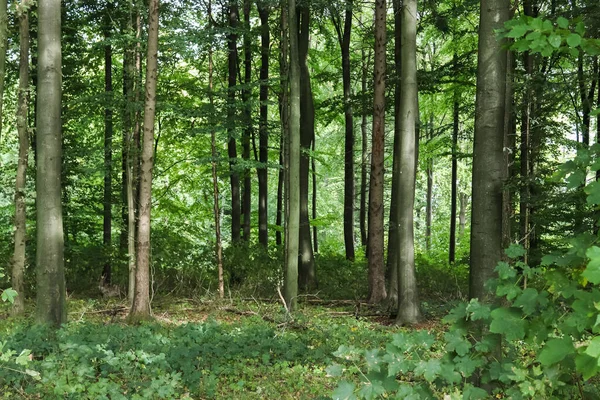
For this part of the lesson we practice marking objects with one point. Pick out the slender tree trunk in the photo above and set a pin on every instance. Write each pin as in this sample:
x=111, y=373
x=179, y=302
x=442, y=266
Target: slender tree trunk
x=108, y=134
x=215, y=179
x=462, y=216
x=247, y=121
x=364, y=159
x=3, y=48
x=408, y=300
x=343, y=35
x=454, y=190
x=18, y=267
x=377, y=291
x=429, y=202
x=284, y=117
x=293, y=209
x=586, y=98
x=598, y=118
x=392, y=255
x=50, y=238
x=509, y=146
x=314, y=199
x=488, y=156
x=307, y=272
x=265, y=42
x=140, y=308
x=231, y=116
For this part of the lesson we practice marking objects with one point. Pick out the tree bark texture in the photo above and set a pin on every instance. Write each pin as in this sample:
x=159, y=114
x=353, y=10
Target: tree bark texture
x=307, y=272
x=265, y=42
x=376, y=275
x=454, y=183
x=284, y=117
x=488, y=156
x=140, y=308
x=247, y=123
x=3, y=49
x=429, y=202
x=293, y=209
x=20, y=237
x=408, y=299
x=108, y=135
x=50, y=237
x=234, y=178
x=362, y=218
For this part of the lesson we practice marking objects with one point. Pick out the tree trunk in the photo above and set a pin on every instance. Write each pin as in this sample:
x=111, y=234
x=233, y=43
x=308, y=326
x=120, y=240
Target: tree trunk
x=488, y=156
x=108, y=134
x=215, y=179
x=392, y=255
x=293, y=209
x=429, y=201
x=308, y=277
x=376, y=277
x=234, y=178
x=364, y=159
x=408, y=299
x=50, y=239
x=462, y=216
x=509, y=158
x=284, y=117
x=3, y=48
x=247, y=122
x=454, y=190
x=344, y=42
x=140, y=308
x=265, y=42
x=314, y=199
x=18, y=267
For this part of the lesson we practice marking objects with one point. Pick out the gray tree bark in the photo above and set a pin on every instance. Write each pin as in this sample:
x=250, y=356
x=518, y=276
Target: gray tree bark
x=140, y=309
x=50, y=261
x=488, y=156
x=20, y=237
x=408, y=299
x=108, y=140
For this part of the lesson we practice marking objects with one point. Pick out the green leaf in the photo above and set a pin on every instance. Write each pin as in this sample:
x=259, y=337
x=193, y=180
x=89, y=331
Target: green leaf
x=587, y=366
x=344, y=391
x=592, y=271
x=430, y=369
x=515, y=251
x=334, y=370
x=23, y=358
x=456, y=341
x=517, y=31
x=373, y=360
x=555, y=40
x=573, y=40
x=527, y=300
x=474, y=393
x=505, y=271
x=34, y=374
x=593, y=192
x=555, y=351
x=508, y=322
x=580, y=28
x=593, y=349
x=575, y=179
x=478, y=311
x=457, y=314
x=9, y=295
x=562, y=22
x=371, y=390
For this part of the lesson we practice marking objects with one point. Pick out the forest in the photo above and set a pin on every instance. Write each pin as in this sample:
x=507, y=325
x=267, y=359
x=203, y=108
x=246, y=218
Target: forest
x=300, y=199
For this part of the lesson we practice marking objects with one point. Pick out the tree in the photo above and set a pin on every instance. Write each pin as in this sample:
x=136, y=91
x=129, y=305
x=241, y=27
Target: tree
x=343, y=35
x=488, y=156
x=247, y=122
x=18, y=267
x=140, y=308
x=408, y=299
x=3, y=43
x=50, y=261
x=377, y=291
x=263, y=158
x=293, y=209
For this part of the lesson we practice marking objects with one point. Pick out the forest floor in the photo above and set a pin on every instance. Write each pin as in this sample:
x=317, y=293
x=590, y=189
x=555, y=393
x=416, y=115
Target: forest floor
x=194, y=348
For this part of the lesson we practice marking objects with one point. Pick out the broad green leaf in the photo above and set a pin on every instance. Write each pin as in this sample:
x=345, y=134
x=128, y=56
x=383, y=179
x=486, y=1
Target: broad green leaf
x=515, y=251
x=34, y=374
x=373, y=360
x=467, y=365
x=573, y=40
x=592, y=271
x=555, y=40
x=593, y=349
x=505, y=271
x=23, y=358
x=456, y=341
x=430, y=369
x=334, y=370
x=593, y=192
x=478, y=311
x=371, y=390
x=562, y=22
x=575, y=179
x=474, y=393
x=9, y=295
x=344, y=391
x=580, y=28
x=397, y=364
x=457, y=314
x=555, y=351
x=527, y=300
x=508, y=322
x=518, y=31
x=586, y=365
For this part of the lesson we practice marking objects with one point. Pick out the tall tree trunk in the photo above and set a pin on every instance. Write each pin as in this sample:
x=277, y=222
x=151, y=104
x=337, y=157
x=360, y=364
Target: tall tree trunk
x=265, y=42
x=232, y=60
x=140, y=308
x=293, y=209
x=284, y=117
x=18, y=267
x=3, y=48
x=343, y=35
x=408, y=299
x=377, y=291
x=307, y=272
x=454, y=183
x=247, y=122
x=108, y=134
x=429, y=201
x=462, y=215
x=50, y=238
x=510, y=147
x=314, y=199
x=215, y=179
x=488, y=156
x=586, y=98
x=364, y=157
